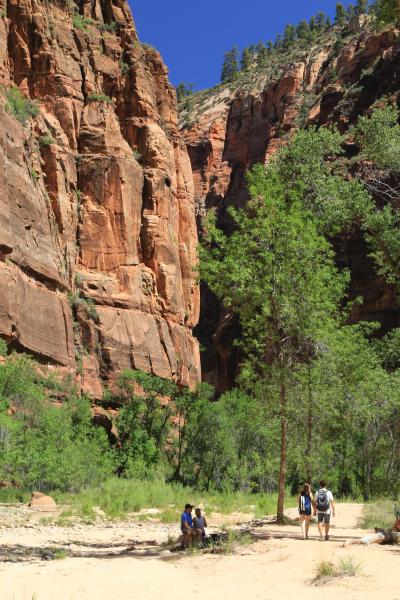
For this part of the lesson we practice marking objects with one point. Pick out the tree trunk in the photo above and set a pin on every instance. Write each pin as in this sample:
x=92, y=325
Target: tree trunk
x=309, y=428
x=282, y=469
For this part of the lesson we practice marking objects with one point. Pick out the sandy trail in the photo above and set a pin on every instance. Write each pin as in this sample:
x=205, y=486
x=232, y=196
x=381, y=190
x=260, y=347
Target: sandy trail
x=279, y=565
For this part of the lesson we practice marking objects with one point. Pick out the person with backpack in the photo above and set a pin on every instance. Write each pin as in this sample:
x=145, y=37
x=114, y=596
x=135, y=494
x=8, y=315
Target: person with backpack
x=324, y=507
x=306, y=503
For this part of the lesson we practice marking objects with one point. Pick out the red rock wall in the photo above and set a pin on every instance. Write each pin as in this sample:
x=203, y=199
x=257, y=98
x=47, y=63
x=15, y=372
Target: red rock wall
x=106, y=211
x=231, y=128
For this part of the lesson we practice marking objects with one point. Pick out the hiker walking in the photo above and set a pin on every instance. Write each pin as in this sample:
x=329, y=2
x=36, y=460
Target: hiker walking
x=306, y=504
x=324, y=507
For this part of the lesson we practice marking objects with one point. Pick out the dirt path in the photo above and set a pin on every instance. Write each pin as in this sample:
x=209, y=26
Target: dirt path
x=124, y=562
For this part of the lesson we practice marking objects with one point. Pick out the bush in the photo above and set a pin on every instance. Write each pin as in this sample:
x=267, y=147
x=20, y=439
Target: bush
x=80, y=22
x=46, y=140
x=43, y=446
x=110, y=27
x=87, y=304
x=96, y=97
x=20, y=107
x=379, y=514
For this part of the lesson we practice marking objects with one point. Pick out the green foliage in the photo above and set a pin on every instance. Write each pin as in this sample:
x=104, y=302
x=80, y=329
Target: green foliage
x=124, y=67
x=325, y=570
x=46, y=140
x=20, y=107
x=80, y=22
x=3, y=347
x=183, y=90
x=46, y=447
x=340, y=15
x=110, y=27
x=230, y=66
x=77, y=301
x=361, y=7
x=387, y=11
x=144, y=422
x=279, y=277
x=378, y=136
x=378, y=514
x=245, y=61
x=97, y=97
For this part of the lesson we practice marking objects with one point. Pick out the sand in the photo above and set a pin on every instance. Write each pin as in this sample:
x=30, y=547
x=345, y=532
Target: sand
x=125, y=561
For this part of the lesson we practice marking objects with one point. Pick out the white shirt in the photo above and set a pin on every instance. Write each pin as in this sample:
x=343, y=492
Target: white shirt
x=330, y=498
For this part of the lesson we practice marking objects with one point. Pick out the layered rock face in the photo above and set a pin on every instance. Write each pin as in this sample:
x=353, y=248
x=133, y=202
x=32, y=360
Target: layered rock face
x=230, y=128
x=97, y=221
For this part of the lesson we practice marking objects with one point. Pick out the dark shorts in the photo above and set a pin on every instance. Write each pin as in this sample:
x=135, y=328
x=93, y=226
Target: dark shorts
x=305, y=512
x=324, y=518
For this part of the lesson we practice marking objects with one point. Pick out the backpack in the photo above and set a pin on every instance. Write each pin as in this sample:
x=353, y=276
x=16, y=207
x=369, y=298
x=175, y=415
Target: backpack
x=322, y=501
x=305, y=503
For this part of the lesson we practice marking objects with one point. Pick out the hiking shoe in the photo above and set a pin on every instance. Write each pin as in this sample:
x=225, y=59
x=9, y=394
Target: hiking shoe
x=326, y=538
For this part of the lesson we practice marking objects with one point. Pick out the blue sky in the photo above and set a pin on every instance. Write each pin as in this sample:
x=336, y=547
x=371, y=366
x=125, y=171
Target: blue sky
x=193, y=35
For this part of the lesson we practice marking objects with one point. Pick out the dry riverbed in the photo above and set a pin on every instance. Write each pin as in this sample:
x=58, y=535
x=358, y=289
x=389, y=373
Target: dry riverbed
x=127, y=560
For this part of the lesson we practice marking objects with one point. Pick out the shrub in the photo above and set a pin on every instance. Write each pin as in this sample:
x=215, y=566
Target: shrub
x=46, y=140
x=87, y=304
x=3, y=347
x=110, y=27
x=136, y=155
x=324, y=569
x=80, y=22
x=379, y=514
x=348, y=567
x=124, y=67
x=96, y=97
x=20, y=107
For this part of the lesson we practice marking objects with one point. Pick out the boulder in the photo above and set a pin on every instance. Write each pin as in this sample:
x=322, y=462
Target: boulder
x=42, y=503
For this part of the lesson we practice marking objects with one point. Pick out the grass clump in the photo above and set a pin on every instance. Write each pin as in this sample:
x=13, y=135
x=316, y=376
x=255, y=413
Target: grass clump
x=80, y=22
x=348, y=567
x=96, y=97
x=234, y=540
x=60, y=554
x=87, y=304
x=110, y=27
x=377, y=514
x=325, y=570
x=20, y=107
x=46, y=140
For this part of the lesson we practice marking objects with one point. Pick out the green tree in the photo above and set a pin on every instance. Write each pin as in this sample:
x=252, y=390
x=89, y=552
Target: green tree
x=230, y=66
x=388, y=11
x=350, y=12
x=340, y=15
x=289, y=36
x=361, y=7
x=144, y=421
x=279, y=277
x=246, y=59
x=320, y=21
x=183, y=90
x=303, y=30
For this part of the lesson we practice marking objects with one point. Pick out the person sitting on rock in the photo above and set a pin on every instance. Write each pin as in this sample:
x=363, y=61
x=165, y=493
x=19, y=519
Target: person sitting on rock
x=187, y=527
x=200, y=523
x=381, y=536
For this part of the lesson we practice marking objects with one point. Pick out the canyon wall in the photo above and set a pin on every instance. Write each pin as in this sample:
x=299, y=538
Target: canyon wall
x=229, y=128
x=97, y=222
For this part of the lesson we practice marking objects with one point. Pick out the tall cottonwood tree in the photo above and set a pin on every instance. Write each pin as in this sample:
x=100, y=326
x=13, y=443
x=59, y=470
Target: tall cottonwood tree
x=277, y=273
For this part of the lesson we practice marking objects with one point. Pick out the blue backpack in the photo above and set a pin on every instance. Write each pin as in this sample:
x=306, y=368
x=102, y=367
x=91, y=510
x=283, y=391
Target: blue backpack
x=305, y=503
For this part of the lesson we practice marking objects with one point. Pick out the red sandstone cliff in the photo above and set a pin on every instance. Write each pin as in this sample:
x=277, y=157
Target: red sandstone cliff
x=229, y=128
x=96, y=197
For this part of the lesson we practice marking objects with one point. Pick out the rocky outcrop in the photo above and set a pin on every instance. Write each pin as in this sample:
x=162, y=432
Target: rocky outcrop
x=97, y=222
x=230, y=128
